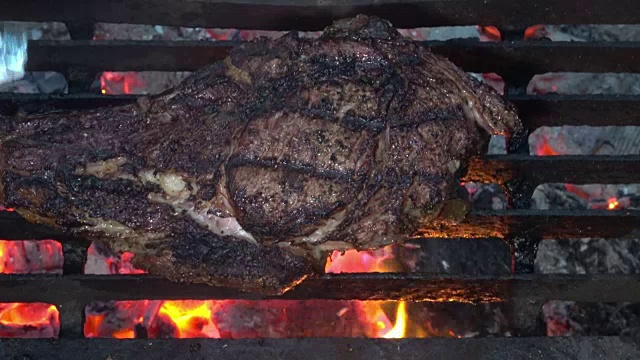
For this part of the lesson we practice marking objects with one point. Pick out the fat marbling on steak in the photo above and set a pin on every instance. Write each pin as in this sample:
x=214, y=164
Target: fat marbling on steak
x=251, y=170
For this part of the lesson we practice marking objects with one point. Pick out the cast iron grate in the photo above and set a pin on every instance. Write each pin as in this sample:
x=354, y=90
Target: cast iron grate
x=515, y=60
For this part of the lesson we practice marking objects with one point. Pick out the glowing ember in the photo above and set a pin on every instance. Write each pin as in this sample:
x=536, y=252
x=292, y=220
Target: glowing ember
x=192, y=318
x=116, y=83
x=156, y=319
x=536, y=32
x=29, y=320
x=544, y=149
x=353, y=261
x=578, y=191
x=251, y=319
x=28, y=257
x=594, y=195
x=99, y=264
x=264, y=319
x=489, y=33
x=381, y=260
x=495, y=81
x=545, y=83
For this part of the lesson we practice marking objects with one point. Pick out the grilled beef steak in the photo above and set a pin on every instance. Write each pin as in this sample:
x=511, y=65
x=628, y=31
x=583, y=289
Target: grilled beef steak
x=250, y=171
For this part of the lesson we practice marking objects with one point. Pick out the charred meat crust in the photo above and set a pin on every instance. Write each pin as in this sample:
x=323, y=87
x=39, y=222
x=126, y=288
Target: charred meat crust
x=199, y=256
x=251, y=169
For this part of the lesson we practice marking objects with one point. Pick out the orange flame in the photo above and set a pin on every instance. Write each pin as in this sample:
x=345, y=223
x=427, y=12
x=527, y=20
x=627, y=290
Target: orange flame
x=399, y=330
x=200, y=319
x=613, y=204
x=29, y=320
x=381, y=260
x=178, y=319
x=192, y=318
x=354, y=261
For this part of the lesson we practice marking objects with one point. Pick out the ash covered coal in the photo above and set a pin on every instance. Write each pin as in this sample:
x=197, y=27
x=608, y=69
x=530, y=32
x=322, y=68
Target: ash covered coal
x=456, y=256
x=589, y=256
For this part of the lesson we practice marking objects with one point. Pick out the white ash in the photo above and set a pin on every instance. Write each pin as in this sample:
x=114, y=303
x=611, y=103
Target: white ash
x=38, y=82
x=597, y=32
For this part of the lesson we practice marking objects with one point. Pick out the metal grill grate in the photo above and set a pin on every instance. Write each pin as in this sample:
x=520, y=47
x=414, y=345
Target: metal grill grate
x=516, y=61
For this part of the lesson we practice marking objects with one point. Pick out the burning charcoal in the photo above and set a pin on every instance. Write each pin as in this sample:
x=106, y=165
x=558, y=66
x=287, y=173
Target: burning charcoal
x=565, y=318
x=487, y=196
x=30, y=257
x=459, y=256
x=460, y=320
x=117, y=319
x=50, y=82
x=102, y=261
x=235, y=319
x=286, y=319
x=144, y=82
x=589, y=256
x=556, y=196
x=29, y=320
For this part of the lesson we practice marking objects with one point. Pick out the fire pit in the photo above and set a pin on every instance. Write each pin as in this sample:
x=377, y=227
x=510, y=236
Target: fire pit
x=75, y=307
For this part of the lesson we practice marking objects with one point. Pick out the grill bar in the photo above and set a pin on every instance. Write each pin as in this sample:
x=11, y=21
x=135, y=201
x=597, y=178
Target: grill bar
x=505, y=58
x=575, y=169
x=516, y=61
x=314, y=15
x=548, y=224
x=592, y=110
x=390, y=286
x=553, y=348
x=535, y=111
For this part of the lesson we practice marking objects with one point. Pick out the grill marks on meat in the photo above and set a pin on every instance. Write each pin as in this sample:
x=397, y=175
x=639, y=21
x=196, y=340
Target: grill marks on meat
x=248, y=172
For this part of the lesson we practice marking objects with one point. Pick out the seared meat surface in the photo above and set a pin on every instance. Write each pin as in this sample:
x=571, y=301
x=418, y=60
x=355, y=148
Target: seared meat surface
x=250, y=171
